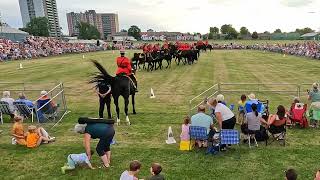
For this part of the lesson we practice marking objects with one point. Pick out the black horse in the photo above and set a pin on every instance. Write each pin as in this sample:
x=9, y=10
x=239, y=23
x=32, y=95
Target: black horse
x=120, y=85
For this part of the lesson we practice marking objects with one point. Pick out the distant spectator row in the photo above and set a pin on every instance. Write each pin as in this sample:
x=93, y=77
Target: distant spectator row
x=310, y=49
x=36, y=47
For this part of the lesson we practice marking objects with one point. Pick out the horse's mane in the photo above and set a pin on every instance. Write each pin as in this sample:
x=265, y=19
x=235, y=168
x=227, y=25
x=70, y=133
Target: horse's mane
x=101, y=76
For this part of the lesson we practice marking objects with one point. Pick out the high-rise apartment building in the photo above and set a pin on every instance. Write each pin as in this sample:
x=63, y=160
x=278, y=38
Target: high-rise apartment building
x=41, y=8
x=106, y=23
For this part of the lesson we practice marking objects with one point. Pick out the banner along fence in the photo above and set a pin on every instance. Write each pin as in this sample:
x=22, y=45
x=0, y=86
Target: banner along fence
x=276, y=93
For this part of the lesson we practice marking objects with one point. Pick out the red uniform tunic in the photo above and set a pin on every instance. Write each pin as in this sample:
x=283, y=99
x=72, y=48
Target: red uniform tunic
x=124, y=66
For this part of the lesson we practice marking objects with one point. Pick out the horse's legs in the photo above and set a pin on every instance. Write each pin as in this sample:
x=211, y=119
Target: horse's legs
x=133, y=104
x=116, y=103
x=126, y=104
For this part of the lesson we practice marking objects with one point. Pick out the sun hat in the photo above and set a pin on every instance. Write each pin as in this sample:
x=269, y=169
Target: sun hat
x=43, y=93
x=252, y=96
x=32, y=127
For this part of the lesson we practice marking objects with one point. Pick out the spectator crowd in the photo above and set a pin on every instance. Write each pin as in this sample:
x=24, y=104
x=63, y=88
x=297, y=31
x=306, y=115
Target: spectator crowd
x=36, y=47
x=310, y=49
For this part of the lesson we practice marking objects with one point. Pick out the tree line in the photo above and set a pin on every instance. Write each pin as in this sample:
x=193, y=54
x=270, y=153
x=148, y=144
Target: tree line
x=230, y=32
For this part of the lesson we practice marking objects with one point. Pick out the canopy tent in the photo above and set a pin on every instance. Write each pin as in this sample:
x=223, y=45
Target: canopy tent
x=12, y=34
x=311, y=36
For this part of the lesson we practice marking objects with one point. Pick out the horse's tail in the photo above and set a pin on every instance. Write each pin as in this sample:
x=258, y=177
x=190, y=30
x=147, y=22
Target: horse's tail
x=102, y=76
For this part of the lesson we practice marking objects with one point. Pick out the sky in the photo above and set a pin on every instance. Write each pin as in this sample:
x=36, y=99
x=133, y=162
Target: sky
x=189, y=15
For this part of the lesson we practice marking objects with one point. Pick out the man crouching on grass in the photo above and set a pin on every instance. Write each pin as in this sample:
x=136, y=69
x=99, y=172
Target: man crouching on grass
x=77, y=159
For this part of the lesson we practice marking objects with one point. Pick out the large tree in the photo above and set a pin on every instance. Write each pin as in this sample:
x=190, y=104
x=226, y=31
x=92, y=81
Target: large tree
x=88, y=31
x=304, y=30
x=38, y=26
x=231, y=33
x=244, y=31
x=134, y=31
x=214, y=30
x=255, y=35
x=277, y=31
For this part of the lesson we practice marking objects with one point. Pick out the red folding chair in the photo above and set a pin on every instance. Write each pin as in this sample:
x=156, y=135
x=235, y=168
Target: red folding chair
x=298, y=114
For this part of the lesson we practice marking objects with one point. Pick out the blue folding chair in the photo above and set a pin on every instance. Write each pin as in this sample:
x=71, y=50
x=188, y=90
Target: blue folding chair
x=198, y=133
x=4, y=109
x=45, y=110
x=230, y=136
x=26, y=111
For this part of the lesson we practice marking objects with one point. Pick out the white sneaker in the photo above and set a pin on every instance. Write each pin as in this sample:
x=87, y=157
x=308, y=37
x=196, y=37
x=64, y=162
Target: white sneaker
x=13, y=141
x=52, y=138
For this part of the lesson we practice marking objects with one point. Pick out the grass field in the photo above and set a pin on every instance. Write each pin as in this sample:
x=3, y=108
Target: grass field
x=145, y=139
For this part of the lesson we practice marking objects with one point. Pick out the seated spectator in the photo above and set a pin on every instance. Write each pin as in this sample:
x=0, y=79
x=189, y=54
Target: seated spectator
x=155, y=172
x=253, y=124
x=291, y=174
x=203, y=120
x=253, y=100
x=317, y=176
x=185, y=136
x=9, y=100
x=18, y=131
x=44, y=98
x=37, y=136
x=254, y=120
x=22, y=98
x=134, y=170
x=314, y=94
x=277, y=121
x=241, y=111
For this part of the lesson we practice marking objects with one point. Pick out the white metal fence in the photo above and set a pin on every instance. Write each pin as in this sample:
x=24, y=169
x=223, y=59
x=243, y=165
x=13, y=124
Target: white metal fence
x=32, y=91
x=263, y=90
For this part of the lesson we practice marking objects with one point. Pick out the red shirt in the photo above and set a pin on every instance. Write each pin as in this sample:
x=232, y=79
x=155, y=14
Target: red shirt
x=124, y=66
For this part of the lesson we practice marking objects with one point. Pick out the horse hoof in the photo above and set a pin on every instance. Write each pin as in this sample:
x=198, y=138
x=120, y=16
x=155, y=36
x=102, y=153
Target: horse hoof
x=134, y=112
x=118, y=122
x=128, y=123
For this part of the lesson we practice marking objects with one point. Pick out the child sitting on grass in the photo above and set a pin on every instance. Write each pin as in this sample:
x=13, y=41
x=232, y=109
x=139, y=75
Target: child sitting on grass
x=155, y=171
x=134, y=170
x=36, y=136
x=77, y=159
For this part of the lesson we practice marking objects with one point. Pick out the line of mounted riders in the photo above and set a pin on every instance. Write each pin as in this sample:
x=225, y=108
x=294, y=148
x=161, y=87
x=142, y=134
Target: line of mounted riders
x=153, y=55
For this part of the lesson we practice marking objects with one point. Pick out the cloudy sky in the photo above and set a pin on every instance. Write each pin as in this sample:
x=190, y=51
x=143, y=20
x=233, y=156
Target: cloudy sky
x=190, y=15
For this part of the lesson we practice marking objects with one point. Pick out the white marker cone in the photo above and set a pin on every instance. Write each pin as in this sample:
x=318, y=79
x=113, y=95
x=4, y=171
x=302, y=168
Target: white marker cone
x=284, y=55
x=170, y=139
x=112, y=51
x=82, y=56
x=20, y=66
x=152, y=94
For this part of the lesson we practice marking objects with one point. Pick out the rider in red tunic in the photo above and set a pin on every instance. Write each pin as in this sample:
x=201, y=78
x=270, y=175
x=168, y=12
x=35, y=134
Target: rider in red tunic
x=124, y=64
x=125, y=69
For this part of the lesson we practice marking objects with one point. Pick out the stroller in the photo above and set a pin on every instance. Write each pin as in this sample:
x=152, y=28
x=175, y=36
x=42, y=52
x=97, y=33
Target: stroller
x=298, y=114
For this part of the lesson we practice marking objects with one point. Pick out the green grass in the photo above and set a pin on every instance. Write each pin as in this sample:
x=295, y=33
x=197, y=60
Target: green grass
x=145, y=139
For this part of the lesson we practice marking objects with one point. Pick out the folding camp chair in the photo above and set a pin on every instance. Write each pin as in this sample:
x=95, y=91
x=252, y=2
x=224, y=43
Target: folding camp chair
x=198, y=133
x=264, y=109
x=279, y=135
x=4, y=109
x=298, y=114
x=46, y=110
x=230, y=137
x=26, y=111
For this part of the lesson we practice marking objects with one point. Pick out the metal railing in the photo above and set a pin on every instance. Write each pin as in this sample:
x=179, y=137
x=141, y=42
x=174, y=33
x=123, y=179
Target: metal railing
x=254, y=88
